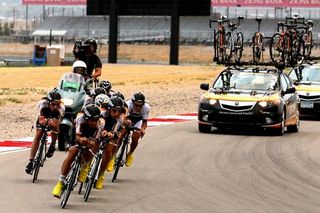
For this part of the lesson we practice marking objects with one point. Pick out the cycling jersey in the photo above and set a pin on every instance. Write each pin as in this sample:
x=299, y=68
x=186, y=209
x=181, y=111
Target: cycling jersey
x=84, y=130
x=44, y=110
x=136, y=116
x=111, y=124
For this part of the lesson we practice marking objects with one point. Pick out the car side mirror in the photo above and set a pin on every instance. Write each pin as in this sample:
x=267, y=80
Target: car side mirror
x=204, y=86
x=291, y=90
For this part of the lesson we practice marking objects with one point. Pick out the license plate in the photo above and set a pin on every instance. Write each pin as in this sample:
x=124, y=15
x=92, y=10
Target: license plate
x=307, y=104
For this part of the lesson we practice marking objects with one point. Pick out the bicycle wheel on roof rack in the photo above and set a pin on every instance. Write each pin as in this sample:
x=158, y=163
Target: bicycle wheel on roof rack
x=276, y=48
x=238, y=47
x=257, y=47
x=308, y=43
x=219, y=48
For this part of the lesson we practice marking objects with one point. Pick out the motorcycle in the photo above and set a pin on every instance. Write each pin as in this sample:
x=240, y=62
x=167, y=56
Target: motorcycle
x=72, y=88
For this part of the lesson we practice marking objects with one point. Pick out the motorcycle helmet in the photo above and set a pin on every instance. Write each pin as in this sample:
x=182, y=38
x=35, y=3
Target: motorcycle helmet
x=105, y=84
x=79, y=67
x=91, y=111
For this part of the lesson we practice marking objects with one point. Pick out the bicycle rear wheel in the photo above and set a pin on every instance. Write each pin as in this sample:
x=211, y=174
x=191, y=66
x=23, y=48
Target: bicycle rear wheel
x=276, y=48
x=238, y=47
x=228, y=47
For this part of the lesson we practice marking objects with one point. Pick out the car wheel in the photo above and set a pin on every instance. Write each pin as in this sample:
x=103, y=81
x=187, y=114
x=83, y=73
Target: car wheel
x=204, y=128
x=280, y=131
x=295, y=128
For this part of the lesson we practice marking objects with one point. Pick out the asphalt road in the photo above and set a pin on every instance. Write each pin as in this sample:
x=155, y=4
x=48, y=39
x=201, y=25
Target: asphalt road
x=177, y=169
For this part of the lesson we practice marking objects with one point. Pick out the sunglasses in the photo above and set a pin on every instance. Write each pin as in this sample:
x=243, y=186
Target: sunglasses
x=55, y=104
x=116, y=110
x=138, y=105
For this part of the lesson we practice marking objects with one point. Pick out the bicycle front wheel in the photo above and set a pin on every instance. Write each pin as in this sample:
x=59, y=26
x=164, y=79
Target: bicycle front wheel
x=238, y=47
x=276, y=48
x=91, y=178
x=257, y=47
x=228, y=45
x=119, y=160
x=308, y=43
x=70, y=183
x=218, y=46
x=39, y=160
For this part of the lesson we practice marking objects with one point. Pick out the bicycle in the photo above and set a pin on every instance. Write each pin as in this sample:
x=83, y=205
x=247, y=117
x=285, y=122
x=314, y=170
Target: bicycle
x=122, y=152
x=229, y=43
x=219, y=39
x=306, y=36
x=286, y=47
x=71, y=180
x=41, y=153
x=92, y=176
x=257, y=44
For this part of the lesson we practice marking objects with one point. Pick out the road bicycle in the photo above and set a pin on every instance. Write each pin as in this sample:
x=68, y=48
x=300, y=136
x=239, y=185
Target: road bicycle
x=122, y=152
x=257, y=44
x=41, y=153
x=72, y=178
x=286, y=45
x=228, y=44
x=307, y=38
x=92, y=176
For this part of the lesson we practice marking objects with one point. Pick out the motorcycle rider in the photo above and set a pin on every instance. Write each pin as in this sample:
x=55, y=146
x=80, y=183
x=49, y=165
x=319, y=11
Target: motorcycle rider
x=50, y=112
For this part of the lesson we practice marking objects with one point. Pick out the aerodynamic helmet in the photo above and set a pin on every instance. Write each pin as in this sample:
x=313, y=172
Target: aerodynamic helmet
x=101, y=99
x=54, y=97
x=116, y=103
x=118, y=94
x=91, y=111
x=138, y=97
x=105, y=84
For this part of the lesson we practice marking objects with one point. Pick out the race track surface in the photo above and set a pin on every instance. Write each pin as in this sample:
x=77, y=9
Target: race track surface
x=178, y=169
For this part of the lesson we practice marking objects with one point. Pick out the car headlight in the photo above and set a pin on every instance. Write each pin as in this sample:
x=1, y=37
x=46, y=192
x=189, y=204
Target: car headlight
x=212, y=101
x=269, y=103
x=67, y=101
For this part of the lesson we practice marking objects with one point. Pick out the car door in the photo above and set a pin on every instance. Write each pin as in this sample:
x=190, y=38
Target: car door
x=289, y=97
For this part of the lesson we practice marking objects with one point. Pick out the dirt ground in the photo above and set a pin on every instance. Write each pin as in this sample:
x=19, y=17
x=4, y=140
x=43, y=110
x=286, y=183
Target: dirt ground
x=169, y=90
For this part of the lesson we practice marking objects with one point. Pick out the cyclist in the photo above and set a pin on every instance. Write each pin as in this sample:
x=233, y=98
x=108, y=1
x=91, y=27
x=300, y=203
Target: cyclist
x=88, y=128
x=111, y=113
x=90, y=99
x=138, y=112
x=50, y=111
x=89, y=56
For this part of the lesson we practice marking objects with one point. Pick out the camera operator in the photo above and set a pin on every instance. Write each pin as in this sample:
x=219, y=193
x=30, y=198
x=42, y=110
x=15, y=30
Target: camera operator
x=86, y=52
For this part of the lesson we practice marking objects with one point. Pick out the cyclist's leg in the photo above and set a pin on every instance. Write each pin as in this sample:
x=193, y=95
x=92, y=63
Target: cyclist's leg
x=33, y=151
x=54, y=137
x=104, y=162
x=134, y=142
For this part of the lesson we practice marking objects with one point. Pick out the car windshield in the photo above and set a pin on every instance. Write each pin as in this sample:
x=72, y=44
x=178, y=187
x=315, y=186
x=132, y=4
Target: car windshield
x=248, y=81
x=307, y=74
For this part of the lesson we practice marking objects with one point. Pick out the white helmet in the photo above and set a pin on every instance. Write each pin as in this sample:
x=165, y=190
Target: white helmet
x=100, y=99
x=79, y=63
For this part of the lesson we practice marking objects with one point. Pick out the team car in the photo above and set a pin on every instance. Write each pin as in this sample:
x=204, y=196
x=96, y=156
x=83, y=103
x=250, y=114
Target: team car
x=306, y=79
x=247, y=97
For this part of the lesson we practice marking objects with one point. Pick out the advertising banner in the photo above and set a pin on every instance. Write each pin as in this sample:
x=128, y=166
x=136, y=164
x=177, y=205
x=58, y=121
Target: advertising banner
x=54, y=2
x=266, y=3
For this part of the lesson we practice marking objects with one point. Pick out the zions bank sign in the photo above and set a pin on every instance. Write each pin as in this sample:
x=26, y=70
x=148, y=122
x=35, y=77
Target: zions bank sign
x=54, y=2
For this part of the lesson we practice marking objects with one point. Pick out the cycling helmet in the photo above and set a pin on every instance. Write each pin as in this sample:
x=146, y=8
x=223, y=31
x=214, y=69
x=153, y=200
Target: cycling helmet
x=54, y=97
x=118, y=94
x=105, y=84
x=79, y=67
x=138, y=97
x=92, y=41
x=101, y=99
x=98, y=91
x=91, y=111
x=116, y=103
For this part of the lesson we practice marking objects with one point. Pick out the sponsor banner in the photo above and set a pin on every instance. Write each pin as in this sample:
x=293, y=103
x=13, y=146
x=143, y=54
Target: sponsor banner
x=54, y=2
x=266, y=3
